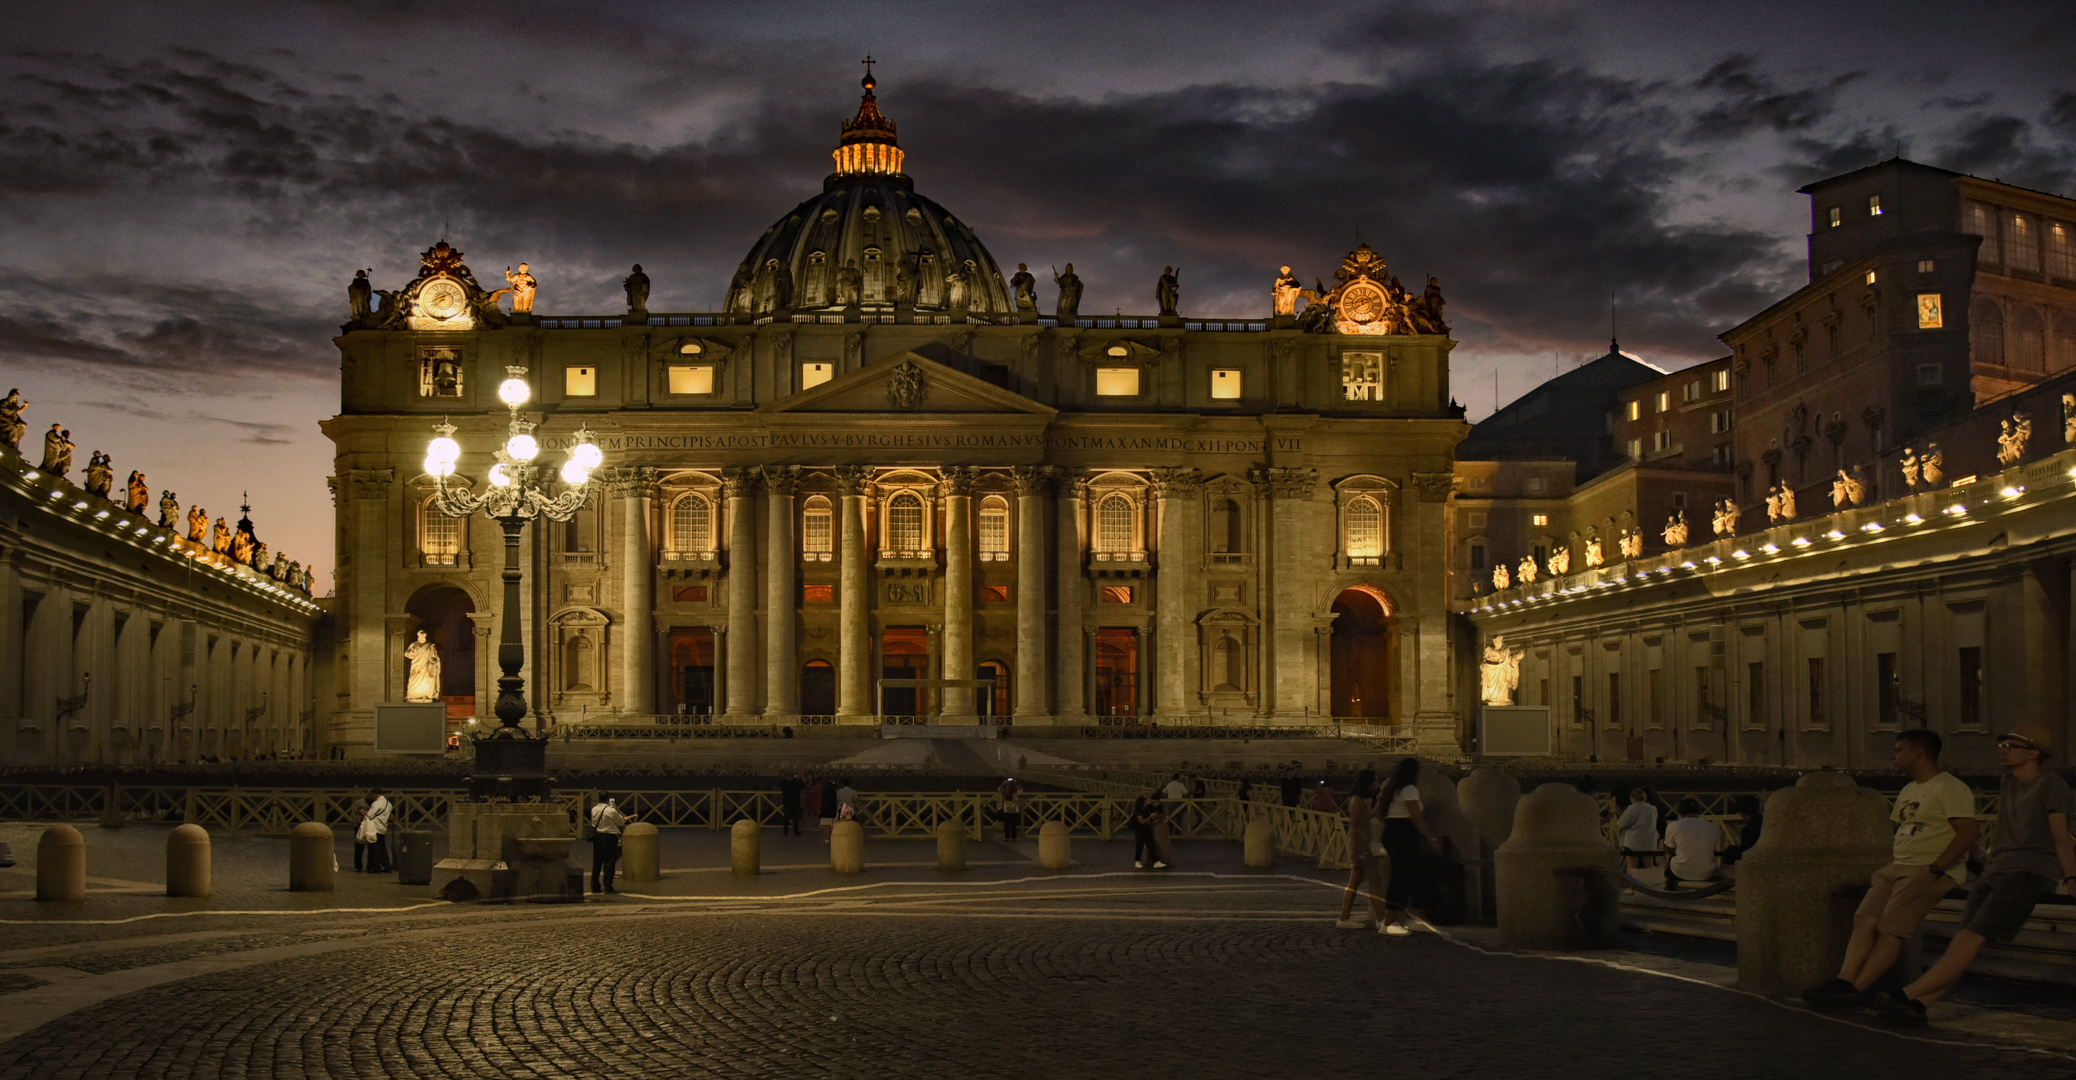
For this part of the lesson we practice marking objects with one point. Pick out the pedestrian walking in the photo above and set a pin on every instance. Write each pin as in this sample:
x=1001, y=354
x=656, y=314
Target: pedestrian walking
x=1935, y=825
x=374, y=832
x=1638, y=826
x=790, y=791
x=1412, y=845
x=1147, y=815
x=1365, y=853
x=607, y=821
x=1291, y=789
x=811, y=801
x=358, y=813
x=1009, y=807
x=1691, y=846
x=2030, y=847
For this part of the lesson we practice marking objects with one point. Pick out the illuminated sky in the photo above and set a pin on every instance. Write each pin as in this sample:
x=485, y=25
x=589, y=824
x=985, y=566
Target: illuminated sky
x=186, y=188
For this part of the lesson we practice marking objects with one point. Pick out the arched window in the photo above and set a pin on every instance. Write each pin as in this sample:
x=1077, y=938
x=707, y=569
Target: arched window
x=815, y=536
x=1363, y=528
x=905, y=522
x=439, y=536
x=2063, y=351
x=2028, y=339
x=1115, y=518
x=691, y=524
x=994, y=529
x=1986, y=332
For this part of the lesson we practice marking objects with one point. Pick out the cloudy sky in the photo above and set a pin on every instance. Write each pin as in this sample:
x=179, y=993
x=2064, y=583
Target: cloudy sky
x=186, y=188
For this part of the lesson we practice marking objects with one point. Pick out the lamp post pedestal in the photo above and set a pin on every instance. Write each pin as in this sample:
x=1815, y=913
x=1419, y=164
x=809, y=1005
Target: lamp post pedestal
x=511, y=764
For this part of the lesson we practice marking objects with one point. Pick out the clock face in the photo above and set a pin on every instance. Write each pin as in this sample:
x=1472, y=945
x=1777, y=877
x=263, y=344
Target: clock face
x=1362, y=309
x=442, y=299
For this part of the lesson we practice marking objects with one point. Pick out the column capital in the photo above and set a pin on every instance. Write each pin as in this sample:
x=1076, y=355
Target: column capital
x=371, y=483
x=955, y=480
x=1170, y=483
x=780, y=479
x=738, y=482
x=1296, y=484
x=1033, y=479
x=631, y=481
x=1434, y=486
x=853, y=479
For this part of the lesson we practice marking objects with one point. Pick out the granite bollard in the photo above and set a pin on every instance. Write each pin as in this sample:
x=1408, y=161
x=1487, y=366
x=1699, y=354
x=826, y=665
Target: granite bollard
x=847, y=848
x=745, y=848
x=61, y=865
x=951, y=845
x=187, y=861
x=1555, y=877
x=1055, y=847
x=638, y=857
x=1258, y=847
x=313, y=865
x=1795, y=888
x=1489, y=797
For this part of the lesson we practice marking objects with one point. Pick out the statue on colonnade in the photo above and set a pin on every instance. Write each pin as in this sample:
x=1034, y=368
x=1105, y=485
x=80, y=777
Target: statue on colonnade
x=12, y=426
x=1500, y=672
x=423, y=682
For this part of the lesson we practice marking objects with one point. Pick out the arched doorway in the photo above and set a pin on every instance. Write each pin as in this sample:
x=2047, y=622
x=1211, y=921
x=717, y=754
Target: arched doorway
x=443, y=613
x=817, y=689
x=904, y=654
x=1361, y=660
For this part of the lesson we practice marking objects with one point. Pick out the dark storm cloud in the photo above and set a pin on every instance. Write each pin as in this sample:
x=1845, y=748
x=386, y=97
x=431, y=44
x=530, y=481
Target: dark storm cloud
x=1746, y=99
x=2013, y=150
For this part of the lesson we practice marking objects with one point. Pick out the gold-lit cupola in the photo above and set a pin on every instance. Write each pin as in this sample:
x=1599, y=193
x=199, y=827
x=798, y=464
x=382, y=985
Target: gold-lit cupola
x=868, y=145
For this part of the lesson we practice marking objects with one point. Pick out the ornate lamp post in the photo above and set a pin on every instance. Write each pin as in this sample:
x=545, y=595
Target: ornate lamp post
x=518, y=492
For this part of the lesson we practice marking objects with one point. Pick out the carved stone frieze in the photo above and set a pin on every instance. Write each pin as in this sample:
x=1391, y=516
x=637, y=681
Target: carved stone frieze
x=1285, y=483
x=780, y=479
x=853, y=479
x=1173, y=483
x=1033, y=479
x=1434, y=486
x=956, y=480
x=740, y=482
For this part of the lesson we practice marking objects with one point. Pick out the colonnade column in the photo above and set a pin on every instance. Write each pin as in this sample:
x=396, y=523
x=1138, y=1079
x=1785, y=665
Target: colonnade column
x=636, y=487
x=958, y=587
x=1033, y=484
x=853, y=627
x=1071, y=689
x=781, y=616
x=739, y=488
x=1176, y=588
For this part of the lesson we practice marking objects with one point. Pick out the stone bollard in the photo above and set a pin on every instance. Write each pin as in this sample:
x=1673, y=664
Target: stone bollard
x=745, y=849
x=187, y=861
x=1259, y=846
x=61, y=865
x=1556, y=879
x=1459, y=892
x=1489, y=797
x=1824, y=835
x=638, y=858
x=313, y=864
x=1055, y=849
x=951, y=845
x=847, y=848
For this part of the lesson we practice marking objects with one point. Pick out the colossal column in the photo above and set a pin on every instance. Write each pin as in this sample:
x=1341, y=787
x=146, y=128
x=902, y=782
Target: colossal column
x=1176, y=588
x=1071, y=689
x=636, y=486
x=853, y=628
x=781, y=565
x=958, y=587
x=1033, y=484
x=739, y=488
x=1293, y=666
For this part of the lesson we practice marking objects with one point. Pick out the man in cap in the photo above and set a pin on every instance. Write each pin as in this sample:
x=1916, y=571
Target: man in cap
x=2031, y=854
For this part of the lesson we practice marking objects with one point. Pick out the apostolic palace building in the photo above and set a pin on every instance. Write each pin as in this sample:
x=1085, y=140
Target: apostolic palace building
x=878, y=462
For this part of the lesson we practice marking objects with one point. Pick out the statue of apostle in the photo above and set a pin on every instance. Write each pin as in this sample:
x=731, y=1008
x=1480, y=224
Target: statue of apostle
x=1070, y=294
x=850, y=284
x=57, y=451
x=1167, y=291
x=1284, y=293
x=242, y=545
x=100, y=474
x=423, y=682
x=169, y=509
x=637, y=286
x=1025, y=288
x=139, y=493
x=358, y=296
x=12, y=426
x=781, y=284
x=523, y=286
x=955, y=291
x=197, y=522
x=220, y=538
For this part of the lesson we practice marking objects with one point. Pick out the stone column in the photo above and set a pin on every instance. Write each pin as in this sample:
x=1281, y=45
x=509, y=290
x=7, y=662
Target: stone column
x=1179, y=570
x=1071, y=691
x=1033, y=484
x=739, y=487
x=958, y=587
x=781, y=614
x=853, y=628
x=636, y=487
x=1429, y=657
x=1288, y=637
x=370, y=491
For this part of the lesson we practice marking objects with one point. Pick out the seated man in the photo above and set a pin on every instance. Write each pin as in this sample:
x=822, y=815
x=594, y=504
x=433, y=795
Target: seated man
x=1692, y=841
x=1748, y=808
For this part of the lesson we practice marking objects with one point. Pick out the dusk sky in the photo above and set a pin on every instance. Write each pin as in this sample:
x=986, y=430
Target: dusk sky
x=185, y=189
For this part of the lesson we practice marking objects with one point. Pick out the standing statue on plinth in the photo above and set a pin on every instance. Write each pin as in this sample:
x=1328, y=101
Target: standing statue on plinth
x=1676, y=529
x=57, y=451
x=1560, y=562
x=1284, y=292
x=242, y=543
x=954, y=291
x=139, y=493
x=637, y=286
x=1024, y=288
x=524, y=285
x=257, y=556
x=1527, y=569
x=908, y=276
x=1500, y=578
x=220, y=538
x=1910, y=468
x=1500, y=672
x=100, y=474
x=850, y=284
x=1726, y=517
x=782, y=285
x=12, y=426
x=359, y=293
x=1070, y=294
x=1167, y=291
x=197, y=522
x=1594, y=558
x=2011, y=445
x=1934, y=464
x=169, y=510
x=423, y=683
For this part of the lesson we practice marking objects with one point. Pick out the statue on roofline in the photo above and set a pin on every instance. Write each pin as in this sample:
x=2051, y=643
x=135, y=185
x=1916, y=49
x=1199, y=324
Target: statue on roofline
x=197, y=522
x=12, y=426
x=1285, y=292
x=1024, y=288
x=637, y=286
x=100, y=474
x=138, y=492
x=358, y=294
x=850, y=284
x=1167, y=292
x=1934, y=463
x=169, y=510
x=57, y=451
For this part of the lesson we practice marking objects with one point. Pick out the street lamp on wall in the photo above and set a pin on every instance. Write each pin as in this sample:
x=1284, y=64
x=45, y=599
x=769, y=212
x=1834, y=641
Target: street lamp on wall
x=518, y=492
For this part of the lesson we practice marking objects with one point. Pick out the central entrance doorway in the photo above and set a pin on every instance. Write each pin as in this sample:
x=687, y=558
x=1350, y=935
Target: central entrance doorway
x=904, y=654
x=1117, y=673
x=692, y=671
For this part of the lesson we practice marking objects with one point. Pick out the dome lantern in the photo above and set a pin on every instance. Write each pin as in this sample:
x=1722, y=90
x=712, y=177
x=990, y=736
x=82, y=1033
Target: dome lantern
x=868, y=145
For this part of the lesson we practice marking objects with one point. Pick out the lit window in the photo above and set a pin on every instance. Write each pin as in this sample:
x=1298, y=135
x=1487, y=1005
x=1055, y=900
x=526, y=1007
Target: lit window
x=815, y=373
x=1873, y=206
x=1225, y=384
x=2061, y=251
x=1664, y=401
x=1837, y=217
x=1115, y=518
x=1540, y=519
x=1982, y=221
x=1871, y=277
x=905, y=522
x=439, y=536
x=1929, y=375
x=1117, y=382
x=1924, y=266
x=1929, y=315
x=1365, y=528
x=691, y=378
x=1636, y=409
x=1719, y=381
x=691, y=524
x=2021, y=251
x=580, y=381
x=815, y=520
x=691, y=348
x=994, y=527
x=1362, y=376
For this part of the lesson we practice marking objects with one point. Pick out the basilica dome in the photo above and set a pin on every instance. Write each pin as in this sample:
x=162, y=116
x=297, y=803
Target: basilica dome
x=869, y=240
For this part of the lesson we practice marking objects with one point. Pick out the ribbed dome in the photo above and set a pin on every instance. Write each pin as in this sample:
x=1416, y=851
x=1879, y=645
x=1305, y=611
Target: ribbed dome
x=868, y=216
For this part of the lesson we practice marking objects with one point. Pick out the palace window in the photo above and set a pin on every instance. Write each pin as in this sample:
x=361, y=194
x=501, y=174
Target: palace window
x=1540, y=519
x=1363, y=529
x=1837, y=217
x=905, y=522
x=1719, y=381
x=691, y=524
x=2061, y=251
x=1116, y=519
x=580, y=381
x=994, y=529
x=1636, y=409
x=1362, y=376
x=691, y=378
x=439, y=536
x=1872, y=277
x=1117, y=382
x=1664, y=401
x=1873, y=206
x=1925, y=266
x=815, y=519
x=1225, y=384
x=1971, y=686
x=2021, y=250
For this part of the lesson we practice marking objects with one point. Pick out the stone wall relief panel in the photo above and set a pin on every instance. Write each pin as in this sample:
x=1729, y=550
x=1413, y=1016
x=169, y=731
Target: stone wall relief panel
x=578, y=663
x=1228, y=643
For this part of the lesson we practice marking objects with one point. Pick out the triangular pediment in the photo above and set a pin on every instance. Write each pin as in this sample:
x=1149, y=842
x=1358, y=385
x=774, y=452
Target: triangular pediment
x=909, y=382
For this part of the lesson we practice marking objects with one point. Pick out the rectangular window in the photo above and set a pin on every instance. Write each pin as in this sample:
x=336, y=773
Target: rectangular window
x=1362, y=376
x=1117, y=382
x=1720, y=455
x=1930, y=316
x=1837, y=217
x=994, y=594
x=1886, y=685
x=2021, y=247
x=1692, y=391
x=1636, y=448
x=688, y=594
x=994, y=529
x=2061, y=251
x=816, y=372
x=1578, y=699
x=1225, y=384
x=1679, y=500
x=816, y=529
x=1719, y=381
x=1756, y=714
x=580, y=382
x=1971, y=686
x=1817, y=719
x=1614, y=699
x=818, y=594
x=1929, y=375
x=1477, y=557
x=1664, y=401
x=441, y=541
x=1477, y=519
x=1718, y=422
x=1661, y=441
x=1925, y=266
x=1873, y=206
x=1116, y=594
x=1872, y=277
x=1540, y=520
x=1655, y=717
x=1535, y=485
x=1636, y=409
x=691, y=378
x=1982, y=221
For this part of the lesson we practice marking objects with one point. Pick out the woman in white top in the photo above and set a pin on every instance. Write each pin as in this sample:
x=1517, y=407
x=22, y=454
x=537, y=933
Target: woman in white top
x=1411, y=843
x=1638, y=824
x=1363, y=873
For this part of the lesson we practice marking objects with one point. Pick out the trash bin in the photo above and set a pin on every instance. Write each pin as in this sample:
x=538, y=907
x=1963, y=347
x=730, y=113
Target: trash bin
x=414, y=857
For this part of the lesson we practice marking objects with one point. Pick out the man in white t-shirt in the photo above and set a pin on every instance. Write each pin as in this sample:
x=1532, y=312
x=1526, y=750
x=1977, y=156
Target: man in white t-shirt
x=1693, y=842
x=1935, y=824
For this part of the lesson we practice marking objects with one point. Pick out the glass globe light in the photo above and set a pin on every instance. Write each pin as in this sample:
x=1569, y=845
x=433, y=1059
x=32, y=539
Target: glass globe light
x=435, y=467
x=587, y=454
x=574, y=473
x=522, y=447
x=499, y=477
x=514, y=392
x=442, y=449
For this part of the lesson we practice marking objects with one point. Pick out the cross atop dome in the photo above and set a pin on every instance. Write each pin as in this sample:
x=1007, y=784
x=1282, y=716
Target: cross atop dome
x=868, y=144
